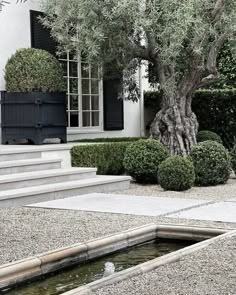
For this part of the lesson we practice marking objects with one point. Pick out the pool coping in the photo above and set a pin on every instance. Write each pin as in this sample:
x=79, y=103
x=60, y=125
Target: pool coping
x=146, y=267
x=21, y=271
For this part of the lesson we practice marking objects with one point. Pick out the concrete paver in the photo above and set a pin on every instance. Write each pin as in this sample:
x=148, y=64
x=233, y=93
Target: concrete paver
x=112, y=203
x=219, y=211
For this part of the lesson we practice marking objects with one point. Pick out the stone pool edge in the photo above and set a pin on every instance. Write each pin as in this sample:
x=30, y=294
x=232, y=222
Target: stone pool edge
x=146, y=267
x=30, y=268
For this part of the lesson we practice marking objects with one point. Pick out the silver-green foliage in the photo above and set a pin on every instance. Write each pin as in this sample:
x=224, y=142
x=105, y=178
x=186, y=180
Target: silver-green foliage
x=181, y=39
x=176, y=173
x=33, y=70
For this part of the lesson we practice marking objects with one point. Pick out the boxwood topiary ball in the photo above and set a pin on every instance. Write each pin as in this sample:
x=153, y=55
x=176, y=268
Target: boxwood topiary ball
x=233, y=158
x=211, y=162
x=31, y=69
x=176, y=173
x=208, y=135
x=143, y=158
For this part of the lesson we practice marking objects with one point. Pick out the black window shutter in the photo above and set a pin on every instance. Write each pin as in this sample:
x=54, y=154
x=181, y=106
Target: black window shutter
x=113, y=107
x=40, y=36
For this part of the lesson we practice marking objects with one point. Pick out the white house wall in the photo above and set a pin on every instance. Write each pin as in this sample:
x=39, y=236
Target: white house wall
x=14, y=30
x=15, y=33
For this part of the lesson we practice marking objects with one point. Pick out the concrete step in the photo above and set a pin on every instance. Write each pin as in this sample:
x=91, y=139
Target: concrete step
x=26, y=179
x=42, y=193
x=20, y=166
x=15, y=155
x=45, y=151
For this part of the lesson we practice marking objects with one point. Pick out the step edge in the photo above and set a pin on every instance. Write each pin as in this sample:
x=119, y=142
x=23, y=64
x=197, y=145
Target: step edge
x=35, y=190
x=17, y=177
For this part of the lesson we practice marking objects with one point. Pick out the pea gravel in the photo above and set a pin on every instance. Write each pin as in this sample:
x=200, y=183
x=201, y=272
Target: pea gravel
x=210, y=271
x=215, y=193
x=26, y=232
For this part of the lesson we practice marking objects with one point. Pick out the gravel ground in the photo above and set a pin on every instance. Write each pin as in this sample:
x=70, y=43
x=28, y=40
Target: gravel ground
x=210, y=271
x=28, y=231
x=215, y=193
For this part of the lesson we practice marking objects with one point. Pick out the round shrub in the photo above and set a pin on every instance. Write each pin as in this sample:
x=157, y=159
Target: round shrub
x=31, y=70
x=176, y=174
x=211, y=162
x=143, y=158
x=208, y=135
x=233, y=158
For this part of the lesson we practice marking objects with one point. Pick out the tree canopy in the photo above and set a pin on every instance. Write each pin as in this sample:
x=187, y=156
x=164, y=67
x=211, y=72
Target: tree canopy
x=173, y=35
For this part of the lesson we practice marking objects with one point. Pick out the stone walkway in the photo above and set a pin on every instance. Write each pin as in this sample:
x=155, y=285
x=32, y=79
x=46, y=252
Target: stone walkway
x=153, y=206
x=123, y=204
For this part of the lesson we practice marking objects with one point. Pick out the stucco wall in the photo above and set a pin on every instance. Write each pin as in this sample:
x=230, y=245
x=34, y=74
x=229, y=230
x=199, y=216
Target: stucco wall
x=14, y=30
x=15, y=33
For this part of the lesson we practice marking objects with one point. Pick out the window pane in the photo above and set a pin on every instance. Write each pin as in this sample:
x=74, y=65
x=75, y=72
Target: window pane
x=95, y=103
x=94, y=71
x=85, y=86
x=95, y=118
x=73, y=69
x=73, y=85
x=94, y=86
x=74, y=102
x=64, y=68
x=86, y=102
x=74, y=119
x=85, y=70
x=86, y=119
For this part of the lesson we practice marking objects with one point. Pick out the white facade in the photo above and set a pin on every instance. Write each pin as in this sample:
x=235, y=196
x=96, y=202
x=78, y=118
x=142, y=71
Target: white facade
x=15, y=33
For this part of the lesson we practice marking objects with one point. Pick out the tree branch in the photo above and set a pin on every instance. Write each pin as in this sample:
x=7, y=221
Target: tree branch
x=218, y=10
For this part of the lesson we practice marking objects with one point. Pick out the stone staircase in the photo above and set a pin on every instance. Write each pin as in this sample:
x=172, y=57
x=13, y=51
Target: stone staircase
x=32, y=174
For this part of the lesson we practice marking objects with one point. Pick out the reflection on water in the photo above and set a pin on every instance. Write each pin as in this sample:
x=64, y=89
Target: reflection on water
x=82, y=274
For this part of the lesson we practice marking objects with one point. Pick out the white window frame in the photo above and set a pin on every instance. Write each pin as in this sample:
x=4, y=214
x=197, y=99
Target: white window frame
x=80, y=128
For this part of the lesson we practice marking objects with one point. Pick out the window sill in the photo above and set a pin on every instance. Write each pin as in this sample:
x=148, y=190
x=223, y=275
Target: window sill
x=85, y=131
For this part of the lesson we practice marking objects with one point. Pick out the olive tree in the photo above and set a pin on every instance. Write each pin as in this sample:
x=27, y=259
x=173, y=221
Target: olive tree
x=180, y=39
x=3, y=3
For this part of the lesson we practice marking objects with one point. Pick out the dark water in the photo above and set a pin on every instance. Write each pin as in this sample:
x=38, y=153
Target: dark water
x=82, y=274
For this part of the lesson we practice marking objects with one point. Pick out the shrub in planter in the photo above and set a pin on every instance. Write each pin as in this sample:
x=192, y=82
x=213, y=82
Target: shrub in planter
x=107, y=157
x=208, y=135
x=176, y=173
x=33, y=70
x=211, y=162
x=233, y=158
x=143, y=158
x=34, y=97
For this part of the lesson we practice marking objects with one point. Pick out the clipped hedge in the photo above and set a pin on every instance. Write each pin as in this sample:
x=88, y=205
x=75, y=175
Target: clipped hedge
x=215, y=110
x=106, y=157
x=208, y=135
x=176, y=173
x=233, y=158
x=142, y=159
x=109, y=139
x=31, y=69
x=211, y=163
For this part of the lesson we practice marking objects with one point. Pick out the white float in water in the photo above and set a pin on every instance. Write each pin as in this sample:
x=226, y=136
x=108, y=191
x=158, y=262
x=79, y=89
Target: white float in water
x=109, y=269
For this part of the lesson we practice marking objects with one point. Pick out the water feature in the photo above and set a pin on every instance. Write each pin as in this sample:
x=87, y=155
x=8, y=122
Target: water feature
x=65, y=280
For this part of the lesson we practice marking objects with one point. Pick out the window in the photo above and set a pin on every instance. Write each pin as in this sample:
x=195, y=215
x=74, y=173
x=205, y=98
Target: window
x=83, y=93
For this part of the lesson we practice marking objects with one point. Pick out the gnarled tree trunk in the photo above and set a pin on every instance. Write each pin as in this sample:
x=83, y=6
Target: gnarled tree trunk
x=175, y=125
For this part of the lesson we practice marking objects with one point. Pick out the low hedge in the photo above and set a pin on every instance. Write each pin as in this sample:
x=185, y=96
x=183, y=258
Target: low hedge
x=176, y=174
x=106, y=157
x=109, y=139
